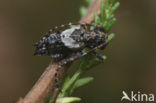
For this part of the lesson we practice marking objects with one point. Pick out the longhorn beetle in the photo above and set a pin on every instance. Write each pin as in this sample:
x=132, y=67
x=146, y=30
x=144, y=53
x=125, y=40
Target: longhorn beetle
x=66, y=45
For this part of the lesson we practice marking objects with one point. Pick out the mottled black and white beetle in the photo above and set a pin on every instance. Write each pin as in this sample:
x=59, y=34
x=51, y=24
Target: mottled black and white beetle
x=67, y=45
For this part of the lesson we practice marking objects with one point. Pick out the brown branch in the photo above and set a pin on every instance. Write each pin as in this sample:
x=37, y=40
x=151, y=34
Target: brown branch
x=89, y=17
x=45, y=84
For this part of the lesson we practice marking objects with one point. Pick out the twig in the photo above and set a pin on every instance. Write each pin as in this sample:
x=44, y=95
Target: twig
x=94, y=7
x=45, y=84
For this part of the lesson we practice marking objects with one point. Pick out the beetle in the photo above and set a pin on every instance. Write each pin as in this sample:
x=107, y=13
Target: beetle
x=66, y=45
x=60, y=44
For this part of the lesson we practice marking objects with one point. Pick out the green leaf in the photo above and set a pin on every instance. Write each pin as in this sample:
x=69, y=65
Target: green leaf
x=88, y=1
x=111, y=36
x=104, y=57
x=84, y=62
x=68, y=100
x=92, y=63
x=97, y=19
x=110, y=24
x=82, y=82
x=83, y=10
x=67, y=79
x=68, y=85
x=103, y=11
x=110, y=3
x=114, y=8
x=89, y=62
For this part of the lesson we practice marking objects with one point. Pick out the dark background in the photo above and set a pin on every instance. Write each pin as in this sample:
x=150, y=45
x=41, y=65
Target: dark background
x=131, y=63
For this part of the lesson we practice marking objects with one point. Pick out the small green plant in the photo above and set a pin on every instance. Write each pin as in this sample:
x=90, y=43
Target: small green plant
x=107, y=20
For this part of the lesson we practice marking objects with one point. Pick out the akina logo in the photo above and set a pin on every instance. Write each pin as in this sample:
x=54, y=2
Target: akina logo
x=138, y=96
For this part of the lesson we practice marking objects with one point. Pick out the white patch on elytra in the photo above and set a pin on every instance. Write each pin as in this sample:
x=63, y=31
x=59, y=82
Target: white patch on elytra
x=68, y=41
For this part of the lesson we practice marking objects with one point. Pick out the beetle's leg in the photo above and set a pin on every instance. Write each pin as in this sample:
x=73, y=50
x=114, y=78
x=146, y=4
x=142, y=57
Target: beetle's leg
x=57, y=84
x=55, y=95
x=68, y=60
x=72, y=58
x=57, y=57
x=64, y=62
x=99, y=56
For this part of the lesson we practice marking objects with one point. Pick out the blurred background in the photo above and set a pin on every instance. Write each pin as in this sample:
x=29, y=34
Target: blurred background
x=131, y=63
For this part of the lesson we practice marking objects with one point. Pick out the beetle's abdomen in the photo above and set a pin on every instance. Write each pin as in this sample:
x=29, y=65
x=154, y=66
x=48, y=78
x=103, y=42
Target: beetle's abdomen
x=50, y=45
